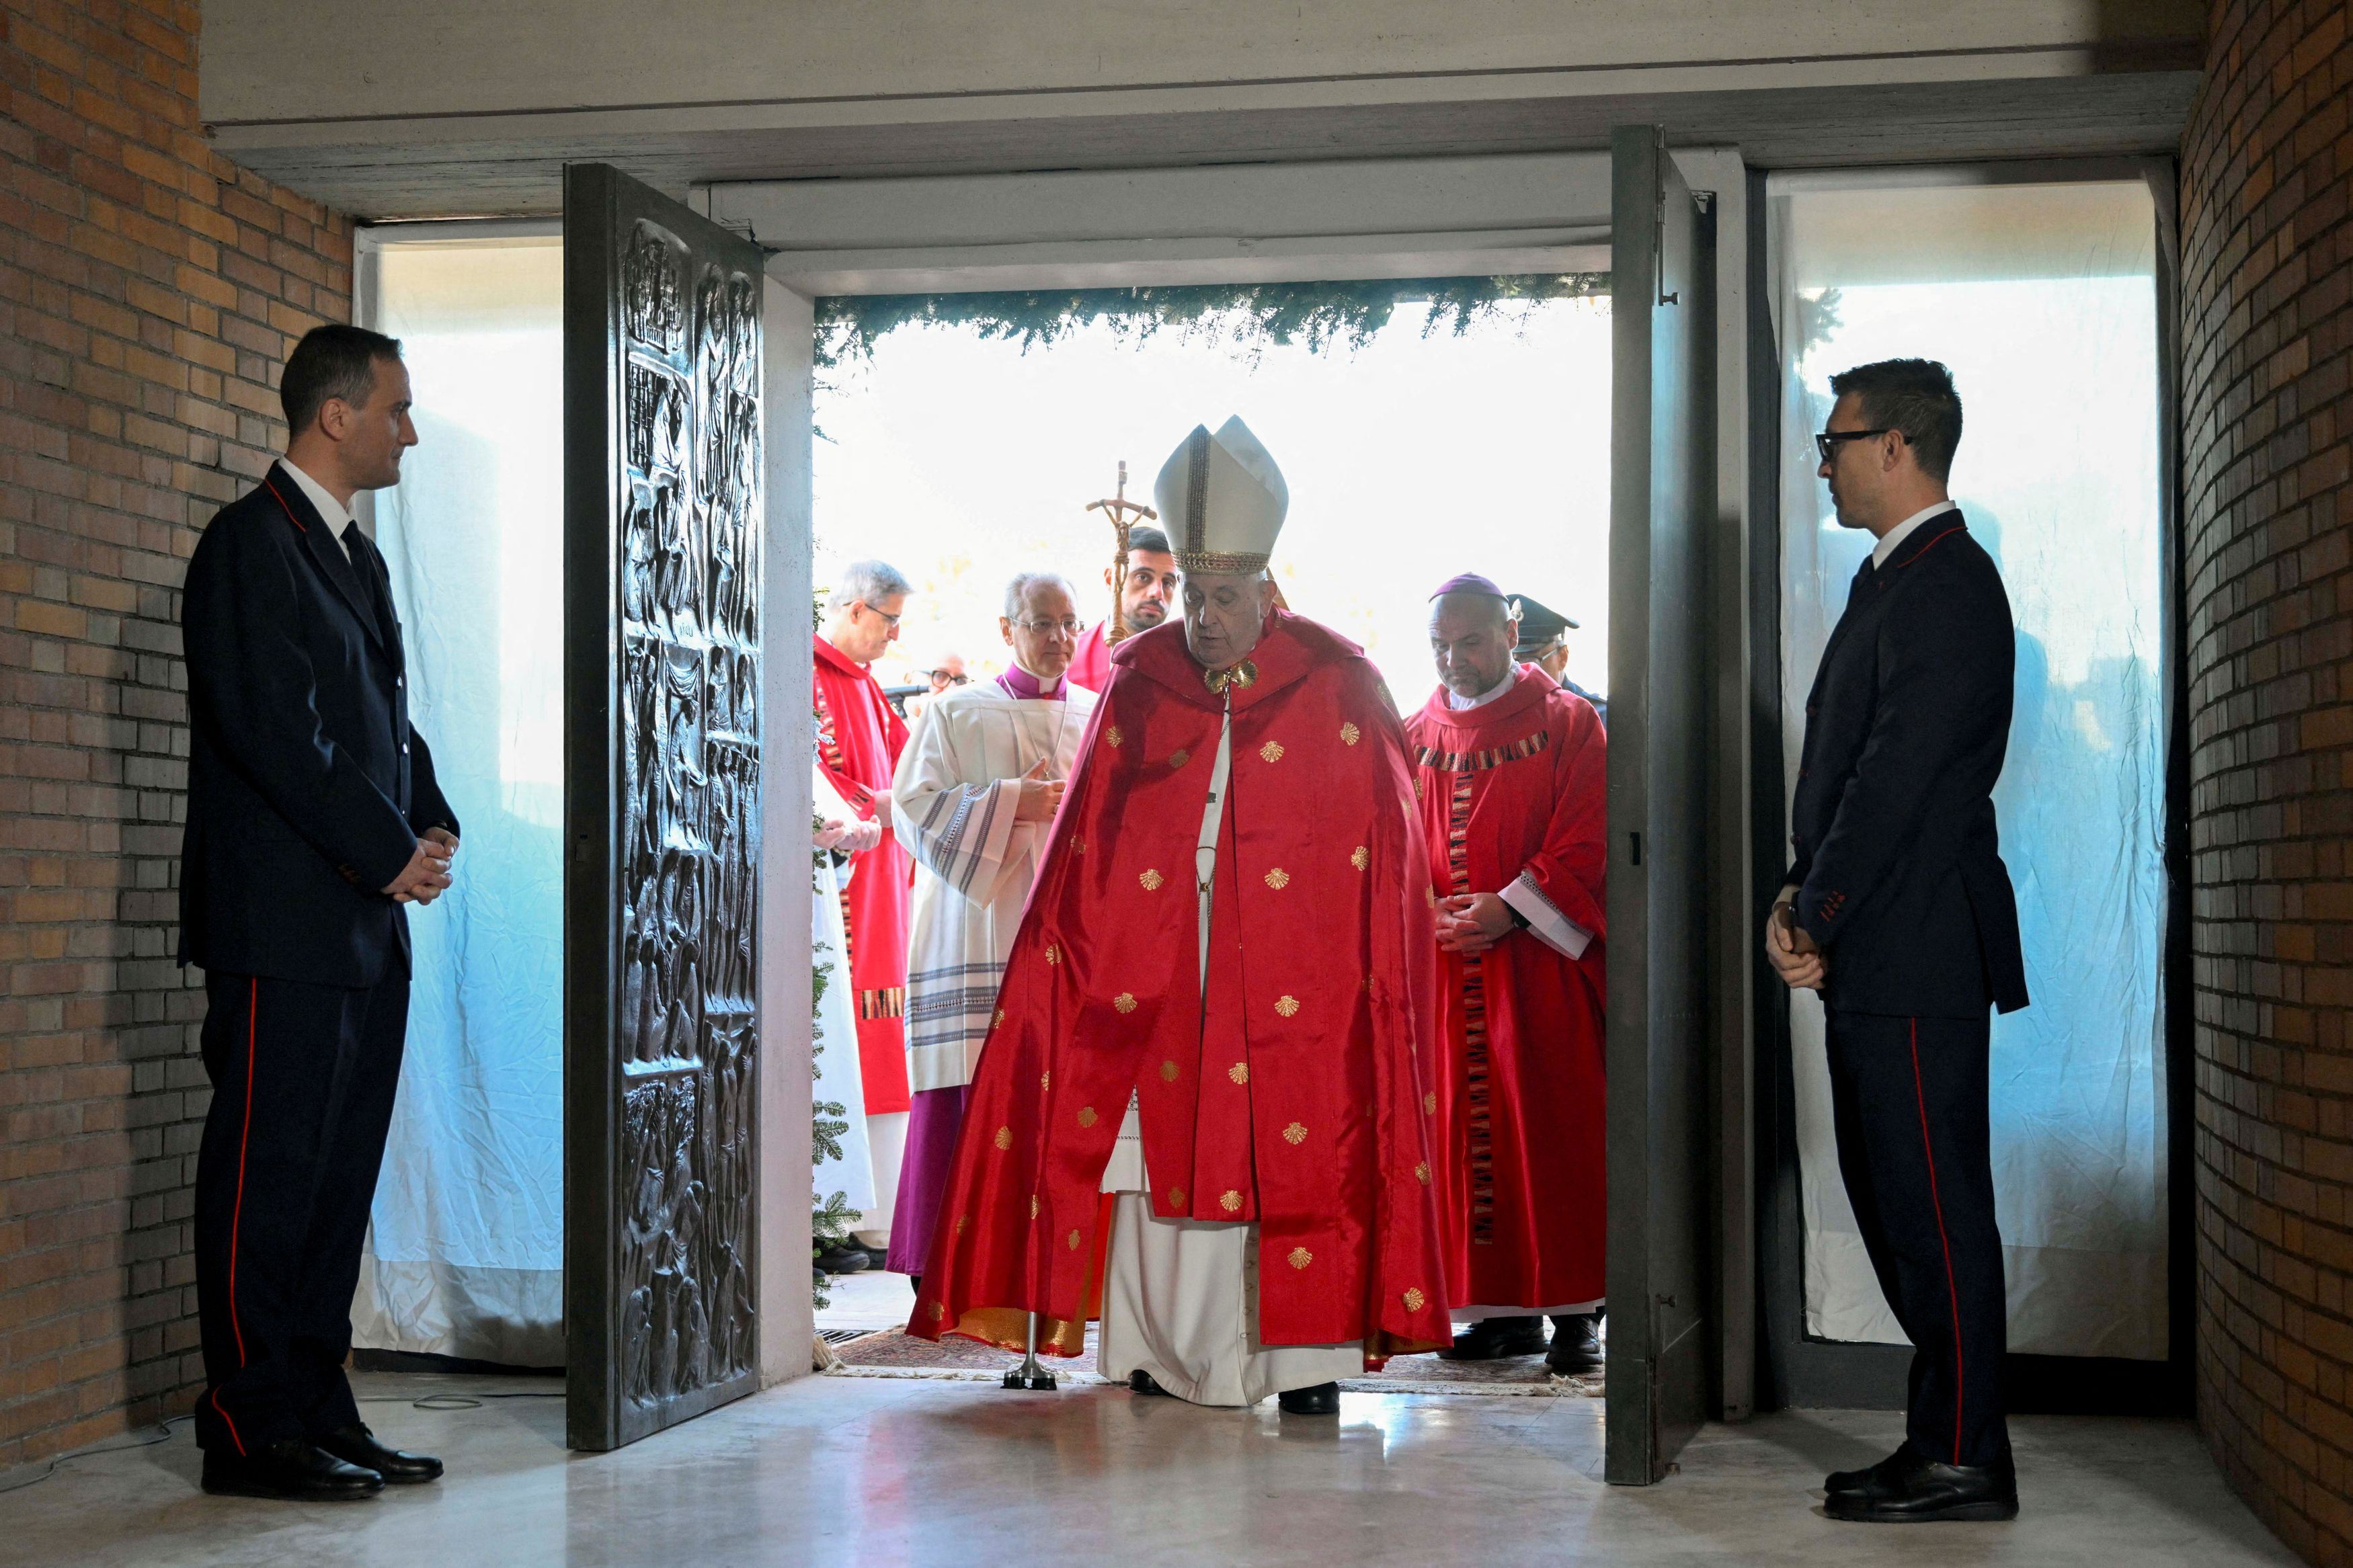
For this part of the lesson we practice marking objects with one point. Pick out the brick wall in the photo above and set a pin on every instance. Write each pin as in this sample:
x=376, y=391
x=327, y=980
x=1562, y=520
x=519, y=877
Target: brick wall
x=2267, y=284
x=149, y=290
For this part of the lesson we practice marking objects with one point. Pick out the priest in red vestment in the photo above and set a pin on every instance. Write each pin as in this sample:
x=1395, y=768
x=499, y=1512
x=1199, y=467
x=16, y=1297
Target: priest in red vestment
x=1513, y=785
x=1143, y=602
x=1200, y=1110
x=859, y=739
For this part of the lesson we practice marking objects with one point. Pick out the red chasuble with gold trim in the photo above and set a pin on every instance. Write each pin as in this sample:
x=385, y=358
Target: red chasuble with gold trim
x=1291, y=1094
x=1515, y=789
x=859, y=739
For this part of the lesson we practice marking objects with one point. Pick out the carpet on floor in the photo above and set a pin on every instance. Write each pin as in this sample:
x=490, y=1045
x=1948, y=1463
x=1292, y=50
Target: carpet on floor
x=894, y=1352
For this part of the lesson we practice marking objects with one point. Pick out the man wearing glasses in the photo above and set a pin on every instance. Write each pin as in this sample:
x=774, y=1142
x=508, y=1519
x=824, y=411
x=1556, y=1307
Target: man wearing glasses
x=859, y=739
x=1899, y=912
x=972, y=799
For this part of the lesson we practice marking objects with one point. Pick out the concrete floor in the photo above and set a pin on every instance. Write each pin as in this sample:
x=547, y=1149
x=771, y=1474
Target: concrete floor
x=885, y=1471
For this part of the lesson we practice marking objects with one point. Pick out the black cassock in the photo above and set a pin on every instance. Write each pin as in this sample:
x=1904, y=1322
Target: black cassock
x=307, y=792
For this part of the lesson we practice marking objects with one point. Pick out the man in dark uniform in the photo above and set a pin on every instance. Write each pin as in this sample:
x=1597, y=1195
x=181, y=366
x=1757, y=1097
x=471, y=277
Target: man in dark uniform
x=1900, y=913
x=1544, y=642
x=313, y=818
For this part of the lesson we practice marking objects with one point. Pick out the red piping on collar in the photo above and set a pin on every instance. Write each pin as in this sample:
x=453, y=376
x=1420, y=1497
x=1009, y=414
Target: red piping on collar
x=1932, y=542
x=299, y=526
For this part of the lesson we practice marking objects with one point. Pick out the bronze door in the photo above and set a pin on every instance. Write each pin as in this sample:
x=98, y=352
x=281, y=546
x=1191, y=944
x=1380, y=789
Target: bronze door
x=661, y=580
x=1662, y=458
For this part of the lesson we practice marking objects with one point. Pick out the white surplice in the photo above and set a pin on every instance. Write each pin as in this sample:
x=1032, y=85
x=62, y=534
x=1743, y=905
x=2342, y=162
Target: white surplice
x=834, y=1070
x=952, y=798
x=1180, y=1296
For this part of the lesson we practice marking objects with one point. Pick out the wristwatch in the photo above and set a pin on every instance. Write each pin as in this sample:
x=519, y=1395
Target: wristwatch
x=1518, y=920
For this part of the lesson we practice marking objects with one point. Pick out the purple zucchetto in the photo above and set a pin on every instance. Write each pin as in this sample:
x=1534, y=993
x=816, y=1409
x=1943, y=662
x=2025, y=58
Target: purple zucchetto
x=1470, y=583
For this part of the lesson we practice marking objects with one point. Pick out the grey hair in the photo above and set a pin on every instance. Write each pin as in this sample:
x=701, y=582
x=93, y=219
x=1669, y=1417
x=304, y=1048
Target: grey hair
x=867, y=581
x=1016, y=592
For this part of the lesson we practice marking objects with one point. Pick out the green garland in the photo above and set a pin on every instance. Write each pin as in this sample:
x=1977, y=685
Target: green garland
x=1320, y=315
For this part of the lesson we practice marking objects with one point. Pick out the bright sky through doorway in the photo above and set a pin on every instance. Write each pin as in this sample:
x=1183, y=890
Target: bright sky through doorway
x=962, y=461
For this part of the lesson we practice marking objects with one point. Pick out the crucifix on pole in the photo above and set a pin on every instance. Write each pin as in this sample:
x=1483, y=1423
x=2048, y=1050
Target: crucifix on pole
x=1124, y=514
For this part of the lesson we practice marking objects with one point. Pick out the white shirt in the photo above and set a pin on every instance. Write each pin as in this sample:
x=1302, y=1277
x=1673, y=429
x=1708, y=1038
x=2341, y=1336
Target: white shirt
x=337, y=519
x=1904, y=531
x=1464, y=704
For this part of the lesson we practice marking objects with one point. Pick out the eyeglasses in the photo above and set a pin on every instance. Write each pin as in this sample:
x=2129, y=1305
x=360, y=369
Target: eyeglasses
x=884, y=614
x=1826, y=441
x=952, y=679
x=1068, y=628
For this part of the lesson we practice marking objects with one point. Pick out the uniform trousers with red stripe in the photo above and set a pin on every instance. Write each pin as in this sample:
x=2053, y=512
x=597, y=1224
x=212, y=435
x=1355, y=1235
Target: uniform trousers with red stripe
x=1909, y=1096
x=303, y=1077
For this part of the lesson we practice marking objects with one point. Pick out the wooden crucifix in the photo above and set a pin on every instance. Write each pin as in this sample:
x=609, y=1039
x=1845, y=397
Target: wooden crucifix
x=1124, y=514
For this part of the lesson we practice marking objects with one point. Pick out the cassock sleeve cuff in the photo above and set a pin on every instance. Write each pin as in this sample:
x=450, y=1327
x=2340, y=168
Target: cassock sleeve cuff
x=1546, y=923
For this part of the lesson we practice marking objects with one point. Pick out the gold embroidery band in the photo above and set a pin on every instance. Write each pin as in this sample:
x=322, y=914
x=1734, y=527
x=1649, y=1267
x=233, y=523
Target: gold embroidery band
x=1223, y=562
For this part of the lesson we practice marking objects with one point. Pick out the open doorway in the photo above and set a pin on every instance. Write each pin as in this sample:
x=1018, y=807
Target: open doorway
x=1427, y=442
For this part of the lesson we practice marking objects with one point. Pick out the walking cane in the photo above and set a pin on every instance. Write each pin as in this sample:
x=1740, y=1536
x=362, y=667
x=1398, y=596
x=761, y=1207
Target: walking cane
x=1029, y=1374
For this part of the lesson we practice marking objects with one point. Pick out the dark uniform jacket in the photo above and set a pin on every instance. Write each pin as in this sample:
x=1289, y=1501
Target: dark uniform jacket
x=1898, y=863
x=307, y=787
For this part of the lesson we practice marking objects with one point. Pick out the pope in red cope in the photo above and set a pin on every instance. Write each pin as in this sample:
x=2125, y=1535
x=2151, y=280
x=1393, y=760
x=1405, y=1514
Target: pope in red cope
x=1513, y=772
x=859, y=739
x=1200, y=1113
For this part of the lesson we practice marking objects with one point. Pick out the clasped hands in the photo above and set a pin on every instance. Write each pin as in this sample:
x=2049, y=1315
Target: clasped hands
x=426, y=876
x=854, y=836
x=1471, y=923
x=1794, y=955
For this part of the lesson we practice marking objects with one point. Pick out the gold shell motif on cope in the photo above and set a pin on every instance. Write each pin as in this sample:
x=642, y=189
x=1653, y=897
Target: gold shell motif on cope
x=1350, y=734
x=1074, y=1238
x=1004, y=1139
x=1295, y=1134
x=1271, y=751
x=1421, y=1172
x=1299, y=1258
x=963, y=1223
x=1046, y=1079
x=1430, y=1102
x=1033, y=1206
x=1112, y=738
x=1179, y=757
x=1153, y=880
x=1176, y=1197
x=1278, y=878
x=998, y=1022
x=1125, y=1002
x=1239, y=1072
x=1168, y=1072
x=1229, y=1200
x=1414, y=1299
x=1053, y=953
x=1086, y=1116
x=1287, y=1006
x=1360, y=857
x=937, y=1311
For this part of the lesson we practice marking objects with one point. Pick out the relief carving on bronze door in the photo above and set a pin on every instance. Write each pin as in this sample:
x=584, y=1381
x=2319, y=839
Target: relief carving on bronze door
x=663, y=523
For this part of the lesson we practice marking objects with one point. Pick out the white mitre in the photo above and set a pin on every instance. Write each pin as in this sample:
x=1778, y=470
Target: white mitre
x=1221, y=500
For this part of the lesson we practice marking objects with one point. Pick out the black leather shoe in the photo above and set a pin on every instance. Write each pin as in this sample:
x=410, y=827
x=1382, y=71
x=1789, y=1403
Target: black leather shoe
x=355, y=1445
x=1493, y=1339
x=1140, y=1381
x=1576, y=1343
x=1323, y=1399
x=1854, y=1480
x=842, y=1257
x=293, y=1468
x=1919, y=1490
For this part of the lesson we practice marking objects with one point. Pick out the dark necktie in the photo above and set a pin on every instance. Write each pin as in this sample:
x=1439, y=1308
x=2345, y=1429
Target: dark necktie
x=1862, y=577
x=368, y=567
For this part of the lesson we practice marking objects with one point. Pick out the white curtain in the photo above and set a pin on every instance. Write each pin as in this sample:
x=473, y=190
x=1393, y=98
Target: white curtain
x=2041, y=299
x=466, y=1253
